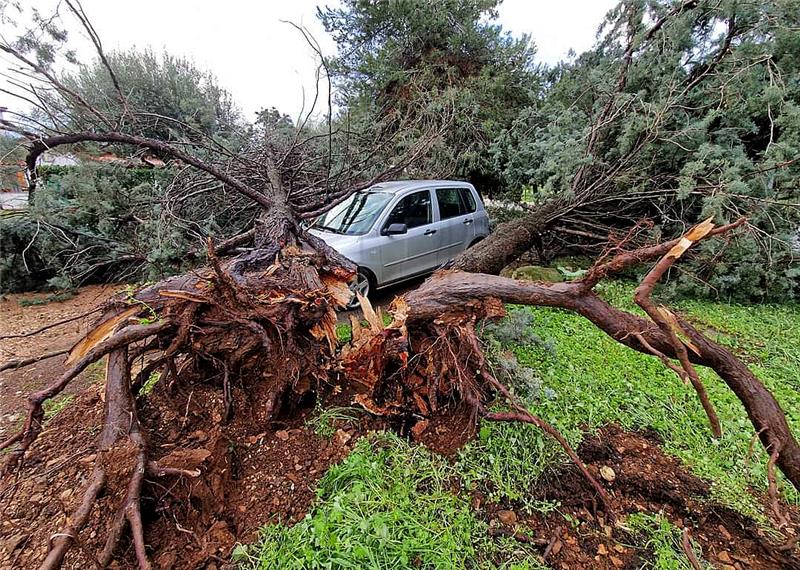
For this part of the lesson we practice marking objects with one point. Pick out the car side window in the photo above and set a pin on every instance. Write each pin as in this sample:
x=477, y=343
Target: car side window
x=468, y=199
x=414, y=210
x=450, y=204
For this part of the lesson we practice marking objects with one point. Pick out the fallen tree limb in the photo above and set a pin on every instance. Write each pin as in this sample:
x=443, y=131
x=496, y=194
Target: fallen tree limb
x=23, y=362
x=449, y=291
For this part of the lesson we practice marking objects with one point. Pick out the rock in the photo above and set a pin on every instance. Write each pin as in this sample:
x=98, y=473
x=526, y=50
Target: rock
x=508, y=518
x=282, y=435
x=602, y=550
x=199, y=435
x=724, y=557
x=608, y=474
x=618, y=563
x=342, y=437
x=538, y=273
x=724, y=532
x=557, y=546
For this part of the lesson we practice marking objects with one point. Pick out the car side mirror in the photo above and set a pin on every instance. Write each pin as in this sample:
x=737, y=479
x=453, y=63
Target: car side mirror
x=395, y=229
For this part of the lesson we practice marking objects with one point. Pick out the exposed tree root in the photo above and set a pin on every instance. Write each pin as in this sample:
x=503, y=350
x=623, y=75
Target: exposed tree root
x=686, y=545
x=259, y=331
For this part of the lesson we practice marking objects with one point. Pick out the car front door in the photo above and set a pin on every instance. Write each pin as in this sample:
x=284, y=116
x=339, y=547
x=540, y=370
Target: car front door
x=456, y=224
x=413, y=252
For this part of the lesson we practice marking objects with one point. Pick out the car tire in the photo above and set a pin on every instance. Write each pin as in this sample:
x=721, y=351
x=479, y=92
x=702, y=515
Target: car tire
x=363, y=283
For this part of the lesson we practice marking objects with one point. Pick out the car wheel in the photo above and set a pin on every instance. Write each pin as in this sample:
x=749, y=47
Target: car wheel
x=361, y=284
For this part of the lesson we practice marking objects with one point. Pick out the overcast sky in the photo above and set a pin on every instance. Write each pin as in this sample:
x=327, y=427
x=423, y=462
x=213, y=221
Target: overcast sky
x=264, y=62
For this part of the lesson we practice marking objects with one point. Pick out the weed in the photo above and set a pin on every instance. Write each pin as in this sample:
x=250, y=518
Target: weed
x=663, y=539
x=96, y=371
x=54, y=298
x=56, y=405
x=344, y=333
x=150, y=383
x=324, y=420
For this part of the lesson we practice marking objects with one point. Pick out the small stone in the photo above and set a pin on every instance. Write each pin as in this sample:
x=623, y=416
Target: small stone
x=37, y=498
x=557, y=546
x=724, y=532
x=724, y=557
x=342, y=436
x=282, y=435
x=602, y=550
x=65, y=495
x=617, y=562
x=608, y=474
x=508, y=518
x=53, y=462
x=199, y=435
x=88, y=458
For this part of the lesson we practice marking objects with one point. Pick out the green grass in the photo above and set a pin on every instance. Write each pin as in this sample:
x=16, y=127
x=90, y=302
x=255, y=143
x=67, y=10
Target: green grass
x=53, y=298
x=594, y=380
x=344, y=332
x=656, y=534
x=388, y=505
x=56, y=405
x=394, y=505
x=324, y=421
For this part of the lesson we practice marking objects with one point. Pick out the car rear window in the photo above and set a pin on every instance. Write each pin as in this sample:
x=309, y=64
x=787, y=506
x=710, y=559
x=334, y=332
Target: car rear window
x=455, y=202
x=468, y=199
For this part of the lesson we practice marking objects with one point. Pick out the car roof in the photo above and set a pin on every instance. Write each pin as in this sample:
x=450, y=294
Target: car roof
x=395, y=186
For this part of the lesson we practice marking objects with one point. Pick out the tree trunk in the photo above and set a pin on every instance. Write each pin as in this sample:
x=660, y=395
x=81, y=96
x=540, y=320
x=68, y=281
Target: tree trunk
x=509, y=240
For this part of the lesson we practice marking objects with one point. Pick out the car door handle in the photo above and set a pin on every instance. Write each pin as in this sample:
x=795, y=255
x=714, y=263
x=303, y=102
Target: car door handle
x=467, y=222
x=429, y=232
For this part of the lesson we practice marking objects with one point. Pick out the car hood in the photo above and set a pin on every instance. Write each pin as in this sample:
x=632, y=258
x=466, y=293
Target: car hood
x=338, y=242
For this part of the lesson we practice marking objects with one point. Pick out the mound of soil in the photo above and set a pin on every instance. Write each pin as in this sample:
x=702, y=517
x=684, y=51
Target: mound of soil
x=640, y=478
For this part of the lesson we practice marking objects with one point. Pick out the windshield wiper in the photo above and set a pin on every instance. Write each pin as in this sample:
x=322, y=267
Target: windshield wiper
x=327, y=229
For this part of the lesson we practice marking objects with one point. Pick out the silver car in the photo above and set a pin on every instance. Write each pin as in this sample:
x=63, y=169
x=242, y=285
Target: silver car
x=395, y=231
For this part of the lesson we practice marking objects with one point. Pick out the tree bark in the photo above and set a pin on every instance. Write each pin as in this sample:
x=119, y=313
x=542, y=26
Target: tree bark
x=510, y=240
x=450, y=291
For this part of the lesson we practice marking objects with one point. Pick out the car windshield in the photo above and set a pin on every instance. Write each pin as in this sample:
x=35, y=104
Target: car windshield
x=355, y=215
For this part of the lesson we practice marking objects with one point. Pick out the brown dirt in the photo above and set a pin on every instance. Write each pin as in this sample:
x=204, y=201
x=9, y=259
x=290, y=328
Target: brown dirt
x=18, y=319
x=644, y=480
x=254, y=473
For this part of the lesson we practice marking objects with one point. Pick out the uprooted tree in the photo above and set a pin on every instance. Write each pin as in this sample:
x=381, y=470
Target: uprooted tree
x=255, y=327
